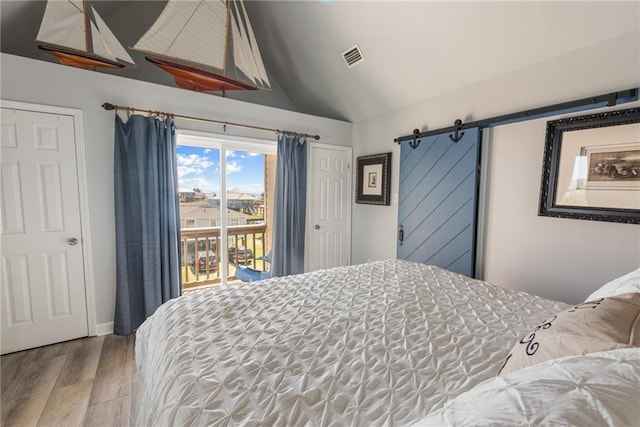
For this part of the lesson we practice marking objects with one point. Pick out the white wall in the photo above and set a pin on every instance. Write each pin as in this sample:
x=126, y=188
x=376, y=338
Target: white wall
x=558, y=258
x=41, y=82
x=605, y=67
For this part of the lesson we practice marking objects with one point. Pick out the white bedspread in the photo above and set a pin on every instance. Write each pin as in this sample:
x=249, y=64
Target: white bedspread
x=597, y=389
x=382, y=343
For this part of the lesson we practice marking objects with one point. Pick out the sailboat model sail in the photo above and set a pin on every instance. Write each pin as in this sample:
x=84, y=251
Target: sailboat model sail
x=207, y=45
x=77, y=36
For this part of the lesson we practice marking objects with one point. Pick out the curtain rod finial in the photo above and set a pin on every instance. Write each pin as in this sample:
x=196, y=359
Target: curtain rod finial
x=107, y=106
x=316, y=137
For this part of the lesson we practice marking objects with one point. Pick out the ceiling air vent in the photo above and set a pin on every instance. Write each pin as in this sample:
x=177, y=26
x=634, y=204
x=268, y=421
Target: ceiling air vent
x=353, y=56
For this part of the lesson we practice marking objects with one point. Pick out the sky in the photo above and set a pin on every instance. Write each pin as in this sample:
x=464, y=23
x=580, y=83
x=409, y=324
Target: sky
x=199, y=167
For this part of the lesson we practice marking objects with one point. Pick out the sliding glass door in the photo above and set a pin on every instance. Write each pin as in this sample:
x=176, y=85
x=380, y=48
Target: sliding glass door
x=226, y=208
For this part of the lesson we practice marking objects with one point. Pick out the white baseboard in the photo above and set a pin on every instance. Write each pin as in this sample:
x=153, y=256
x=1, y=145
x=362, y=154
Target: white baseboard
x=104, y=328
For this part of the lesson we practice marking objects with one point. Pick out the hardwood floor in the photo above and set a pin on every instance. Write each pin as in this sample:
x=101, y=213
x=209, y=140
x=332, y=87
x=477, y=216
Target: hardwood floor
x=86, y=382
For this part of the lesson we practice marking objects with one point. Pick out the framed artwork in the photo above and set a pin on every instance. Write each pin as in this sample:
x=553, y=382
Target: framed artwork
x=373, y=179
x=591, y=168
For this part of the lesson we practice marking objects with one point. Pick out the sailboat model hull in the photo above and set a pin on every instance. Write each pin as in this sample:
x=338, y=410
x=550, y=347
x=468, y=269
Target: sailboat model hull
x=79, y=59
x=196, y=79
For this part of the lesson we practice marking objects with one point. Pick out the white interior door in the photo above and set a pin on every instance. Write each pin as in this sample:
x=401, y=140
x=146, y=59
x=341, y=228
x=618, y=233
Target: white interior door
x=329, y=218
x=43, y=277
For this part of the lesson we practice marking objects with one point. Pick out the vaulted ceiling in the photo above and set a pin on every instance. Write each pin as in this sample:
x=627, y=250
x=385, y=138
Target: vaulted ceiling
x=413, y=50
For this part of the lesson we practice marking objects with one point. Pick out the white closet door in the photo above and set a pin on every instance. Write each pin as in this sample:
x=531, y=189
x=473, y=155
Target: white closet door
x=329, y=209
x=43, y=280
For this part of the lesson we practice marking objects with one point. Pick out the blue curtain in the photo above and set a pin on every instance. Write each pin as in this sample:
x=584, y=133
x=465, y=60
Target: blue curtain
x=290, y=207
x=147, y=219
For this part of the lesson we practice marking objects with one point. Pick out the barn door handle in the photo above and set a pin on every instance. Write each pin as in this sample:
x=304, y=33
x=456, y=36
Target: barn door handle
x=401, y=235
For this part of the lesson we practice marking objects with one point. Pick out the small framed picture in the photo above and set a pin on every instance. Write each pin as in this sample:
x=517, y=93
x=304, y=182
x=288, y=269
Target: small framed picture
x=592, y=168
x=373, y=179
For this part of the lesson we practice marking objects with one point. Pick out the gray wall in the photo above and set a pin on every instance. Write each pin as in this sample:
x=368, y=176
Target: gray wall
x=564, y=270
x=40, y=82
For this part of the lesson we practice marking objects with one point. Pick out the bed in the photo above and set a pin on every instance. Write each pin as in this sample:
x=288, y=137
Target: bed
x=382, y=343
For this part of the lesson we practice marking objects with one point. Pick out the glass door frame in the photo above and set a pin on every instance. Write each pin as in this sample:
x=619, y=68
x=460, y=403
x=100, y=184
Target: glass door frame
x=225, y=143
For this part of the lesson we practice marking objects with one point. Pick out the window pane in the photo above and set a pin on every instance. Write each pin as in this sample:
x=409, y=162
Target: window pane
x=199, y=186
x=247, y=230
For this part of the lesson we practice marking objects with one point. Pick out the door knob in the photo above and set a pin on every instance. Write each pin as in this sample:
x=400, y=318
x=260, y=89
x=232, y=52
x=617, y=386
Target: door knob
x=72, y=241
x=317, y=227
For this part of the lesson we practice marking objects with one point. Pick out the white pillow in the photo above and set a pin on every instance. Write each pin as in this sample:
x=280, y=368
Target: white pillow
x=599, y=325
x=622, y=285
x=595, y=389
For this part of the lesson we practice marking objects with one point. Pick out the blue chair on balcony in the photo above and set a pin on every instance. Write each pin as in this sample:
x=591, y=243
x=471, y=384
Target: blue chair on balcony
x=248, y=274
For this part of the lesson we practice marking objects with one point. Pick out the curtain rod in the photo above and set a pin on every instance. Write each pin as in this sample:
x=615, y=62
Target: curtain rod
x=107, y=106
x=609, y=99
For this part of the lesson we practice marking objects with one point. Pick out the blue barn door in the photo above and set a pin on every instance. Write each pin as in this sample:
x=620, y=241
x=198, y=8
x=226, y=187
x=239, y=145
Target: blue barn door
x=437, y=201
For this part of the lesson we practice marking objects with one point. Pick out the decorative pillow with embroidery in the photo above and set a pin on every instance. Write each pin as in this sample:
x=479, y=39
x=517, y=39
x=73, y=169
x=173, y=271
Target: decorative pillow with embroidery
x=598, y=325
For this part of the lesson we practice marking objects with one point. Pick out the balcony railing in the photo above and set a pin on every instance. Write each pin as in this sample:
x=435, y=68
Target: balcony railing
x=202, y=257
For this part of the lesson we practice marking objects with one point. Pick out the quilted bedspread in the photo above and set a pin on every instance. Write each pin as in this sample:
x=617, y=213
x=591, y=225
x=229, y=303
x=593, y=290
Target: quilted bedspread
x=596, y=389
x=382, y=343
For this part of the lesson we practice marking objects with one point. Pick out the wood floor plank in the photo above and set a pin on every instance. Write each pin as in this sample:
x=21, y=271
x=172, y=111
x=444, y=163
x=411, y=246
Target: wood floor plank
x=135, y=387
x=113, y=376
x=82, y=361
x=86, y=382
x=67, y=406
x=9, y=367
x=116, y=411
x=27, y=395
x=47, y=352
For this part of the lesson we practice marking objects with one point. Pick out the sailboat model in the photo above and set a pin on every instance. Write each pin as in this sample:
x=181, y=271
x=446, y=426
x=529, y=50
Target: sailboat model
x=77, y=36
x=206, y=45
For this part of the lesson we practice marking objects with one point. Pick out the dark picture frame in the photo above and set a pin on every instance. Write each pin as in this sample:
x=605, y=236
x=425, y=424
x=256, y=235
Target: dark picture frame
x=591, y=168
x=373, y=179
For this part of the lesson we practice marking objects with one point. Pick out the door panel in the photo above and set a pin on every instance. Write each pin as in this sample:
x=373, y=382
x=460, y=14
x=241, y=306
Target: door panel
x=18, y=296
x=43, y=289
x=437, y=202
x=12, y=208
x=330, y=188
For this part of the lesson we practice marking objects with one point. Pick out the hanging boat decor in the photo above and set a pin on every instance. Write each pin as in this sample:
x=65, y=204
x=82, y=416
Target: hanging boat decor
x=73, y=31
x=206, y=45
